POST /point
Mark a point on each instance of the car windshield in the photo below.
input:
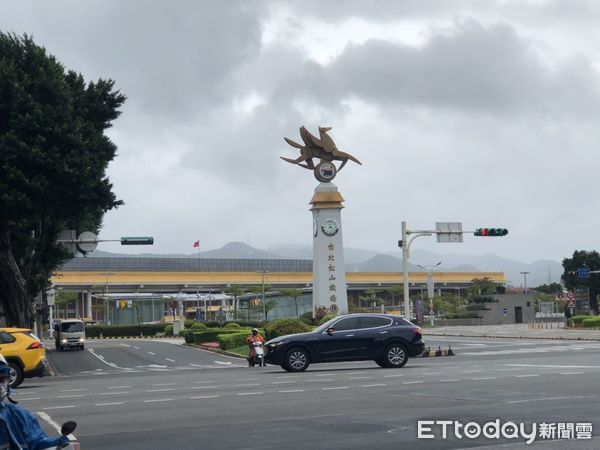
(326, 325)
(71, 327)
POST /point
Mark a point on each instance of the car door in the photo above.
(342, 343)
(374, 331)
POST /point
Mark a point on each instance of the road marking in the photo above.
(101, 358)
(225, 363)
(287, 376)
(204, 387)
(324, 374)
(204, 396)
(114, 393)
(527, 376)
(32, 398)
(431, 373)
(160, 390)
(471, 371)
(118, 387)
(246, 385)
(357, 373)
(250, 393)
(334, 388)
(392, 376)
(164, 384)
(54, 425)
(291, 391)
(412, 382)
(571, 373)
(58, 407)
(109, 404)
(285, 382)
(125, 345)
(506, 370)
(359, 378)
(136, 347)
(151, 353)
(158, 400)
(483, 378)
(448, 380)
(554, 366)
(373, 385)
(246, 379)
(71, 396)
(207, 381)
(548, 399)
(169, 359)
(319, 381)
(68, 390)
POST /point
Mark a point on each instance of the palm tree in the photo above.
(294, 293)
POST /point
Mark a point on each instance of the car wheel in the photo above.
(296, 360)
(81, 347)
(396, 355)
(16, 375)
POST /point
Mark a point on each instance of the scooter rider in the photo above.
(250, 340)
(19, 429)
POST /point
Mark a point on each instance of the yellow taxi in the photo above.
(24, 353)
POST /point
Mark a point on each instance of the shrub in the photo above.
(233, 340)
(187, 323)
(327, 318)
(592, 322)
(232, 325)
(169, 330)
(280, 327)
(198, 326)
(212, 324)
(307, 318)
(320, 312)
(477, 307)
(211, 335)
(577, 320)
(189, 336)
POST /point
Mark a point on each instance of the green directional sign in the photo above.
(491, 232)
(138, 240)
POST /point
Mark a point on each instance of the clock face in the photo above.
(329, 227)
(315, 228)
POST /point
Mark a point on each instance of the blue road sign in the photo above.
(583, 272)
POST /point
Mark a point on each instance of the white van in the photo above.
(69, 333)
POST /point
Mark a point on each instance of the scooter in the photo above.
(259, 356)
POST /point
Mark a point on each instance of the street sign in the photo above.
(570, 295)
(583, 272)
(87, 242)
(504, 311)
(449, 231)
(571, 304)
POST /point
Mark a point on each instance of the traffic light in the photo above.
(143, 240)
(491, 232)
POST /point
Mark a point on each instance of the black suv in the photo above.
(388, 340)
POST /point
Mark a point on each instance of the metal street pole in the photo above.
(524, 280)
(263, 296)
(405, 271)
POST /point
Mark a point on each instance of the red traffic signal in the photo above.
(491, 232)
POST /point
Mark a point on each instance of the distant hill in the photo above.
(361, 260)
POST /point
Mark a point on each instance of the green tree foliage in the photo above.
(53, 159)
(582, 258)
(482, 286)
(292, 292)
(235, 291)
(551, 288)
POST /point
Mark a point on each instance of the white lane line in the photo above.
(471, 371)
(204, 396)
(225, 363)
(287, 376)
(359, 378)
(431, 373)
(412, 382)
(448, 380)
(554, 366)
(285, 382)
(357, 373)
(547, 399)
(159, 400)
(160, 390)
(319, 381)
(32, 398)
(125, 345)
(151, 353)
(207, 381)
(115, 393)
(101, 358)
(109, 404)
(69, 390)
(289, 391)
(529, 375)
(245, 379)
(571, 373)
(164, 384)
(506, 370)
(204, 387)
(373, 385)
(169, 359)
(118, 387)
(246, 385)
(483, 378)
(71, 396)
(58, 407)
(136, 347)
(393, 376)
(250, 393)
(336, 388)
(324, 375)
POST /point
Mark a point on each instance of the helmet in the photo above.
(254, 330)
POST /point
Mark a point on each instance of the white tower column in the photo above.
(329, 272)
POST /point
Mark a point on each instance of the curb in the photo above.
(568, 338)
(215, 350)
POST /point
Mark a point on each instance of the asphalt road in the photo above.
(145, 394)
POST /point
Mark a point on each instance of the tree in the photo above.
(294, 293)
(53, 160)
(395, 291)
(582, 258)
(63, 299)
(235, 291)
(551, 288)
(482, 286)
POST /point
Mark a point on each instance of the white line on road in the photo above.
(204, 396)
(68, 390)
(359, 378)
(204, 387)
(246, 379)
(291, 391)
(448, 380)
(323, 375)
(548, 399)
(412, 382)
(250, 393)
(246, 385)
(207, 381)
(54, 425)
(160, 390)
(529, 375)
(287, 376)
(319, 381)
(506, 370)
(159, 400)
(32, 398)
(225, 363)
(58, 407)
(136, 347)
(125, 345)
(373, 385)
(393, 376)
(114, 393)
(431, 373)
(553, 366)
(483, 378)
(164, 384)
(285, 382)
(151, 353)
(571, 373)
(334, 388)
(471, 371)
(357, 373)
(118, 387)
(109, 404)
(71, 396)
(169, 359)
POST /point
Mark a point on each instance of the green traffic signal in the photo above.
(143, 240)
(491, 232)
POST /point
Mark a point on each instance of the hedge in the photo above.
(281, 327)
(593, 322)
(577, 320)
(94, 331)
(233, 340)
(211, 335)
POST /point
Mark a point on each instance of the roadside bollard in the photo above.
(101, 337)
(438, 352)
(450, 352)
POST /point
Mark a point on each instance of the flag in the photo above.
(196, 244)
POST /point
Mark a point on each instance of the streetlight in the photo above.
(524, 280)
(430, 291)
(262, 272)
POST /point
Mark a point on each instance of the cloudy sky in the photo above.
(484, 113)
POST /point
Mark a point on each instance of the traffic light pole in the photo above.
(405, 255)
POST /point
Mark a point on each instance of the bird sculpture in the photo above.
(323, 148)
